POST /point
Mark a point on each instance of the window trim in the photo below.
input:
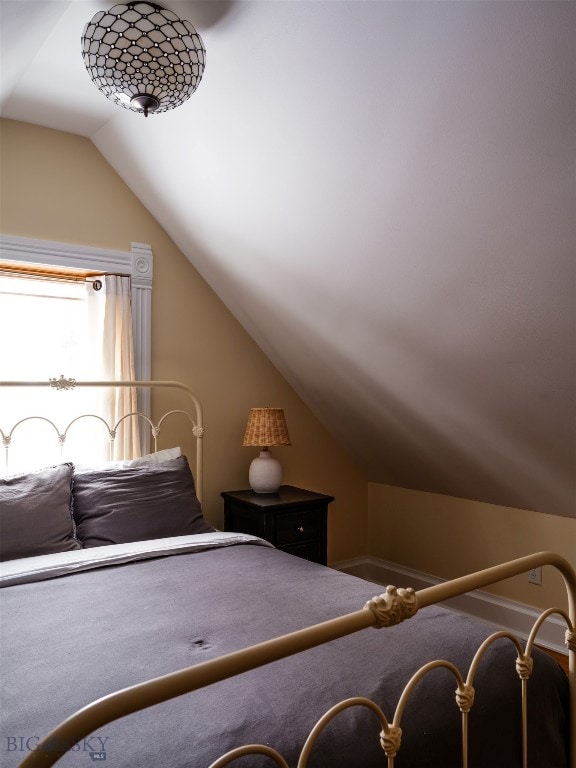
(137, 263)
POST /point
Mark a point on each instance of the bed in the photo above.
(135, 633)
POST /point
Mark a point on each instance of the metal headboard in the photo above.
(193, 415)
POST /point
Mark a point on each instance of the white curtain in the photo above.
(110, 315)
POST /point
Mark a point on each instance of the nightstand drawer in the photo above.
(301, 526)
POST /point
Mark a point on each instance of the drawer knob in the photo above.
(300, 529)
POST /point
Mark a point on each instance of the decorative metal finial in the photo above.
(62, 383)
(393, 606)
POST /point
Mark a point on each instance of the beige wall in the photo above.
(446, 537)
(57, 186)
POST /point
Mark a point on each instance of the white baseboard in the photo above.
(502, 613)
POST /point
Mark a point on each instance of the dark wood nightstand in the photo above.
(292, 519)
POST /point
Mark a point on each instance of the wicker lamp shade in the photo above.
(266, 426)
(143, 57)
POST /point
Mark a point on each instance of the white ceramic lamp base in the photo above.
(265, 475)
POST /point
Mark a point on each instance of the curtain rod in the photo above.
(64, 277)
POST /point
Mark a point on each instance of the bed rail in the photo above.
(62, 384)
(387, 609)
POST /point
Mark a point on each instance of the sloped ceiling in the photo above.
(384, 195)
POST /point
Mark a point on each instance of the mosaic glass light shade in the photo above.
(143, 57)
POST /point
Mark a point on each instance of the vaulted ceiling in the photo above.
(384, 195)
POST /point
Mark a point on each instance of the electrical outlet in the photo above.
(535, 576)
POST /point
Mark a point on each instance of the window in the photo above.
(45, 328)
(49, 330)
(137, 263)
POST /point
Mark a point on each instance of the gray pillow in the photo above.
(35, 517)
(119, 505)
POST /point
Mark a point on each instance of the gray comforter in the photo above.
(70, 639)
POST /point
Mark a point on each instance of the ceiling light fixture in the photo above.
(143, 57)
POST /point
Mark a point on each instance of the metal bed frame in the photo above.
(387, 609)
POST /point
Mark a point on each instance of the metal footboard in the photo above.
(390, 608)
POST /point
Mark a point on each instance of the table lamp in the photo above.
(266, 427)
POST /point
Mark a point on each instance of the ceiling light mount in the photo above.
(145, 103)
(143, 57)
